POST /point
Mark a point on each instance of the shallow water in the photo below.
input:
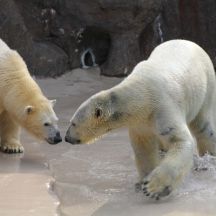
(23, 183)
(99, 180)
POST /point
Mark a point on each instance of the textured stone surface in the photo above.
(110, 29)
(42, 58)
(13, 29)
(191, 19)
(49, 60)
(112, 34)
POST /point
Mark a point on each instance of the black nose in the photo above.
(57, 138)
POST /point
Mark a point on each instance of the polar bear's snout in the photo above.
(57, 138)
(54, 139)
(70, 139)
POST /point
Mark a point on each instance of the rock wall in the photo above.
(56, 35)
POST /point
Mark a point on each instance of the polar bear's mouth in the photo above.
(54, 140)
(72, 140)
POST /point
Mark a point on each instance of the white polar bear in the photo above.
(165, 100)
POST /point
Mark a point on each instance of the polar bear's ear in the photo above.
(53, 102)
(29, 109)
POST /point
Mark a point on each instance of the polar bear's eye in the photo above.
(98, 112)
(46, 124)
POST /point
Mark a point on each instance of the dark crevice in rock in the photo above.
(98, 41)
(88, 59)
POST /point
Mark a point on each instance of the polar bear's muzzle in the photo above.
(70, 139)
(54, 140)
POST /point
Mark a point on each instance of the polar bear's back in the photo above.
(185, 62)
(3, 48)
(12, 66)
(181, 54)
(5, 52)
(10, 59)
(182, 71)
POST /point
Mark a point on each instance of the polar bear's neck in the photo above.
(20, 93)
(17, 88)
(132, 101)
(16, 105)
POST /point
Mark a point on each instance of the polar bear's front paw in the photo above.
(157, 185)
(12, 148)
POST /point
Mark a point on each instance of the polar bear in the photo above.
(167, 101)
(22, 104)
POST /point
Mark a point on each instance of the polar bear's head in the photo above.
(41, 121)
(94, 118)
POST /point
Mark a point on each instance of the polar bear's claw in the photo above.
(12, 149)
(164, 192)
(145, 182)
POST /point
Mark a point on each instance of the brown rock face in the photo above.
(193, 20)
(54, 35)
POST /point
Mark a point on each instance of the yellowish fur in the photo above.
(17, 91)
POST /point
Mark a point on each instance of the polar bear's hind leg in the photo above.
(206, 136)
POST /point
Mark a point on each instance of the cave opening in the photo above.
(88, 59)
(95, 45)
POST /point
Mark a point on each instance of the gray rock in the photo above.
(54, 36)
(49, 60)
(13, 30)
(109, 28)
(43, 59)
